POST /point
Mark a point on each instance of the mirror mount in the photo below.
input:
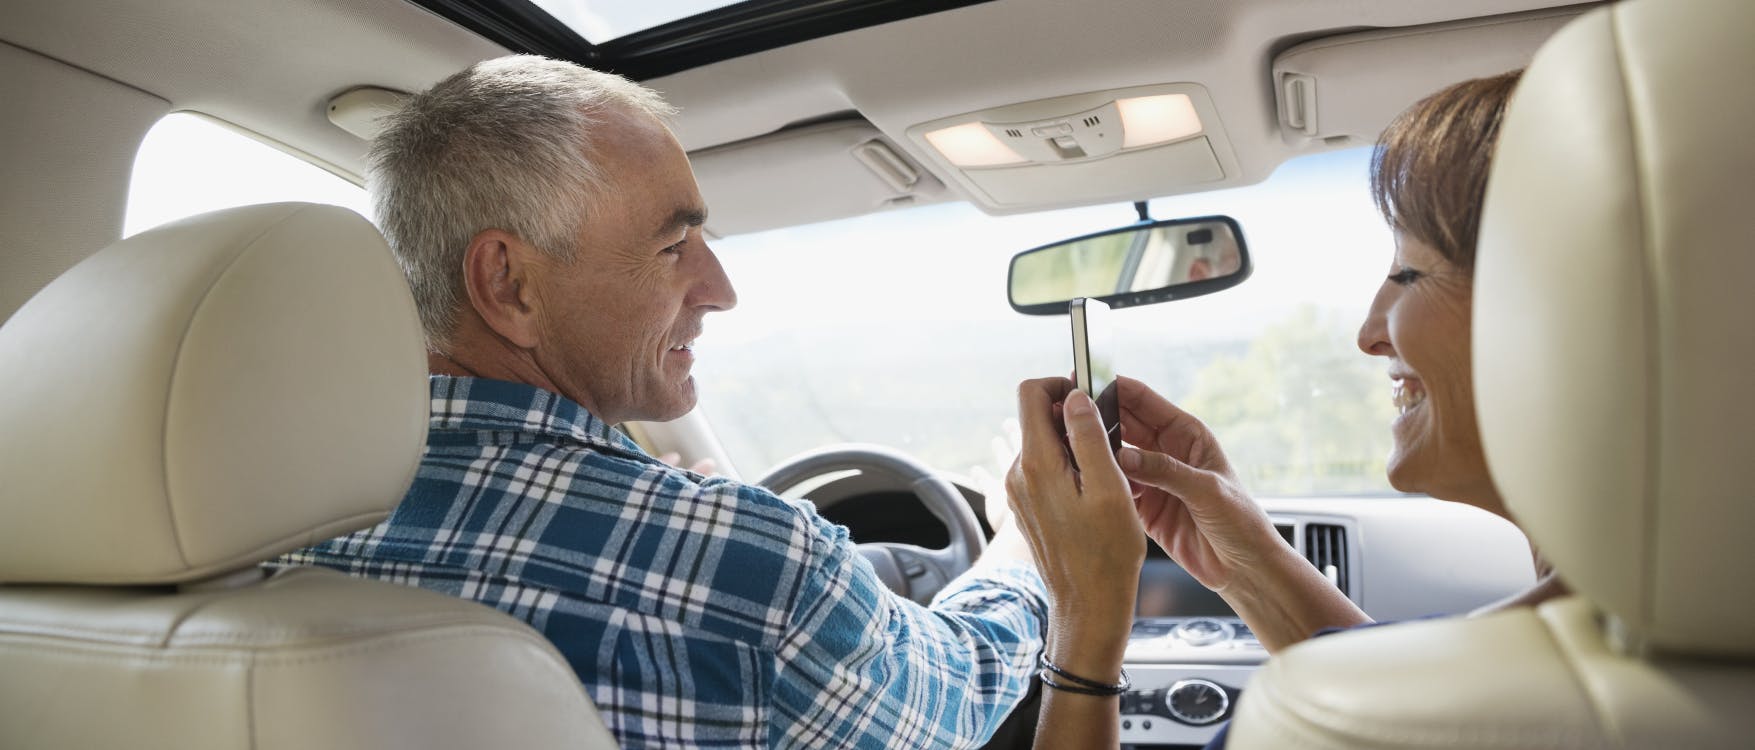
(1140, 264)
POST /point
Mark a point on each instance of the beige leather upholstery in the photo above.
(183, 405)
(1530, 678)
(1614, 337)
(196, 398)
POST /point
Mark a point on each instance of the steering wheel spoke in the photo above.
(911, 571)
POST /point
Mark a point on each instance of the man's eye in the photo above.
(1405, 276)
(673, 249)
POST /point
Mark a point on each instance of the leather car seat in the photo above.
(1614, 339)
(187, 403)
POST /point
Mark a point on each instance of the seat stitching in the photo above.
(1654, 372)
(258, 658)
(176, 362)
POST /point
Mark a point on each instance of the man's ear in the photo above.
(498, 275)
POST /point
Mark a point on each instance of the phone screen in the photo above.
(1094, 362)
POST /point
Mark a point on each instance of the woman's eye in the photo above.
(1405, 276)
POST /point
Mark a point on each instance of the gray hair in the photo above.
(502, 145)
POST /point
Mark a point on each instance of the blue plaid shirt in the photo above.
(698, 612)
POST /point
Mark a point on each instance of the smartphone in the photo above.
(1093, 341)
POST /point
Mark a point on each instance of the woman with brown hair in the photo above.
(1084, 514)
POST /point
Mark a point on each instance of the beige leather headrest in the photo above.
(1614, 332)
(207, 395)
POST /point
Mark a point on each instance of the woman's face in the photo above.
(1419, 321)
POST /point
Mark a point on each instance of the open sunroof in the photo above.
(645, 39)
(599, 21)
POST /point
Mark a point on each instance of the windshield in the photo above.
(893, 328)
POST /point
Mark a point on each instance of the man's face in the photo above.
(618, 322)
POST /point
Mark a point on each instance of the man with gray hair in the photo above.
(550, 227)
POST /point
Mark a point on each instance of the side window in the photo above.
(189, 164)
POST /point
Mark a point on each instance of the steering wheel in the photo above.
(911, 571)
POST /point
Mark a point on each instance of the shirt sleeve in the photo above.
(862, 667)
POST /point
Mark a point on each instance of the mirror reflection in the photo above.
(1134, 265)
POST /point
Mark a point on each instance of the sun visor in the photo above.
(808, 174)
(1105, 146)
(1343, 90)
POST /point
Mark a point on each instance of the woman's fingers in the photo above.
(1152, 409)
(1164, 472)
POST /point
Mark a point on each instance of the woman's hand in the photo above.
(1077, 512)
(1189, 498)
(1192, 505)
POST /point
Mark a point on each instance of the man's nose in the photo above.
(712, 288)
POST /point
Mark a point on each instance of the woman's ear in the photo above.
(499, 277)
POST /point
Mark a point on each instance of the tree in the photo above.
(1302, 411)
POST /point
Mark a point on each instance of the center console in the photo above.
(1187, 673)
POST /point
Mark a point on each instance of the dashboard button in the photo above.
(1203, 631)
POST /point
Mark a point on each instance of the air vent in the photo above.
(1014, 132)
(1093, 121)
(1326, 546)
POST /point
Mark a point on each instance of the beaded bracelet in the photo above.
(1080, 685)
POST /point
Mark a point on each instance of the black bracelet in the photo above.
(1080, 685)
(1047, 678)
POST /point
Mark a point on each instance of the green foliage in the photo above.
(1303, 411)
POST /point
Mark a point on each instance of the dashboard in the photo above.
(1189, 656)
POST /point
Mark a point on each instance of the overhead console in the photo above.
(1343, 90)
(1117, 145)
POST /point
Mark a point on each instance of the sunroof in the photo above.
(644, 39)
(602, 20)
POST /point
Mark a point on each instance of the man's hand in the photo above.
(991, 483)
(705, 467)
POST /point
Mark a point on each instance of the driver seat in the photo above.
(1614, 337)
(185, 404)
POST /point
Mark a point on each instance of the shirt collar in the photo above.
(466, 403)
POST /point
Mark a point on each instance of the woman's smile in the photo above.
(1407, 392)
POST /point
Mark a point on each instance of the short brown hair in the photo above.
(1429, 171)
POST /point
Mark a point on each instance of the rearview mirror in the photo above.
(1135, 265)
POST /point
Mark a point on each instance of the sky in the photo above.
(600, 21)
(189, 164)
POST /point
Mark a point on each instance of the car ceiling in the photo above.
(271, 66)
